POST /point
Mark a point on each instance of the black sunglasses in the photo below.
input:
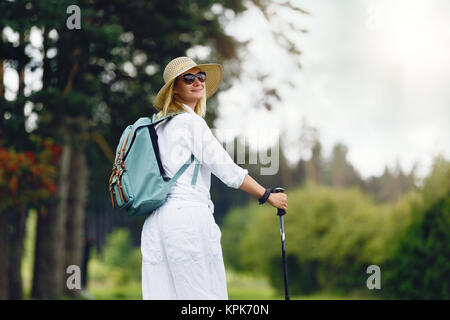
(189, 78)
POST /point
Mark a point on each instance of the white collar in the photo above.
(188, 109)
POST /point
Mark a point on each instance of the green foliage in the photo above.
(419, 268)
(121, 260)
(87, 90)
(331, 237)
(437, 184)
(233, 233)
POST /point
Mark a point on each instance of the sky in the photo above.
(375, 76)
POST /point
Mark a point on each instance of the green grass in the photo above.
(240, 287)
(248, 287)
(254, 287)
(28, 252)
(102, 291)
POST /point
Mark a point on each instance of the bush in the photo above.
(420, 266)
(331, 237)
(28, 178)
(233, 233)
(122, 260)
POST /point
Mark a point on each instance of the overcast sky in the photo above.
(375, 76)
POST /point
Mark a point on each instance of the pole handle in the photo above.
(280, 212)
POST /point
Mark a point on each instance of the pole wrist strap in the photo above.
(265, 196)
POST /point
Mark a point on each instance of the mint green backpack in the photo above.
(137, 184)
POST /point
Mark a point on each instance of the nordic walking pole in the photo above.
(281, 213)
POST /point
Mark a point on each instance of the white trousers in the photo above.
(181, 254)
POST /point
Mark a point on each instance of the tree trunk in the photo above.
(16, 224)
(48, 276)
(3, 255)
(21, 79)
(2, 83)
(46, 70)
(76, 212)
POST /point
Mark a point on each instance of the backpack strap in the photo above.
(167, 118)
(183, 169)
(194, 176)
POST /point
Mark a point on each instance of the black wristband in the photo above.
(265, 196)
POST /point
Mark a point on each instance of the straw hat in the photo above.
(181, 64)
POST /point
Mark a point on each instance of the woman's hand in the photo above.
(278, 200)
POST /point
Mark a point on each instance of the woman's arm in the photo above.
(249, 185)
(207, 149)
(200, 141)
(252, 187)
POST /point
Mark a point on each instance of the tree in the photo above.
(26, 180)
(420, 267)
(342, 173)
(95, 81)
(88, 79)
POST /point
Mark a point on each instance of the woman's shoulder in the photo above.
(189, 119)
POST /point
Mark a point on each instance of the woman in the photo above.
(180, 244)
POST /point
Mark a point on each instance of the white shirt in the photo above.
(189, 133)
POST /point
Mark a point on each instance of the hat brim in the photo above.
(213, 79)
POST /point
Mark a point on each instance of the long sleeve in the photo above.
(210, 152)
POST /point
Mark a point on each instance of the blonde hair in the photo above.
(171, 104)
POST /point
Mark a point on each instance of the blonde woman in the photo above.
(180, 242)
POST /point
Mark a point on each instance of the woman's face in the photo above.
(189, 93)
